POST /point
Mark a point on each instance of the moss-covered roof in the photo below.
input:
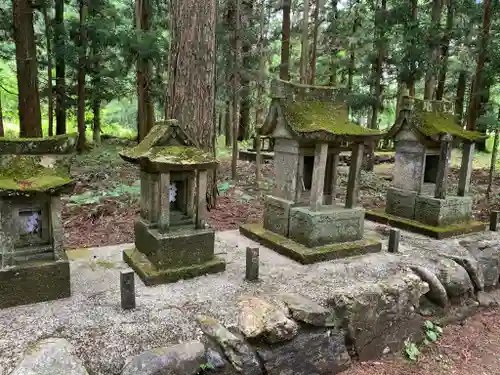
(317, 116)
(58, 144)
(179, 155)
(26, 173)
(435, 123)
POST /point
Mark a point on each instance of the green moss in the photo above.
(180, 155)
(105, 264)
(154, 136)
(40, 139)
(314, 116)
(435, 123)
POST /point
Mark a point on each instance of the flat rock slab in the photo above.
(94, 323)
(50, 357)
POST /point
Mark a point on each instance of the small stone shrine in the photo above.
(302, 219)
(424, 132)
(34, 172)
(172, 241)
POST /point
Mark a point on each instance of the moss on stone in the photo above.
(330, 117)
(58, 144)
(180, 155)
(435, 123)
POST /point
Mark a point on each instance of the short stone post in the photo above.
(443, 166)
(494, 220)
(394, 236)
(127, 289)
(252, 264)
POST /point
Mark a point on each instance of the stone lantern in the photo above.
(172, 240)
(310, 127)
(418, 199)
(33, 175)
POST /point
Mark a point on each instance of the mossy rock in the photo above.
(32, 173)
(59, 144)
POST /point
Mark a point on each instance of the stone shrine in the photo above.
(34, 172)
(424, 132)
(310, 127)
(172, 241)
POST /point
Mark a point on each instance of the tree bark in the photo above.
(314, 46)
(236, 87)
(60, 44)
(82, 70)
(333, 24)
(145, 104)
(96, 121)
(494, 155)
(460, 95)
(191, 94)
(227, 124)
(477, 85)
(304, 51)
(434, 38)
(2, 133)
(285, 42)
(414, 15)
(27, 69)
(245, 107)
(50, 99)
(445, 48)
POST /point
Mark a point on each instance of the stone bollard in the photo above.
(127, 289)
(494, 220)
(394, 235)
(252, 264)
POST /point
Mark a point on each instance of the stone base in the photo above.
(438, 232)
(400, 203)
(151, 275)
(277, 214)
(331, 224)
(304, 254)
(33, 282)
(442, 212)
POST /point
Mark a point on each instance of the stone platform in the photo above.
(438, 232)
(304, 254)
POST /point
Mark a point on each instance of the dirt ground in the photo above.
(469, 349)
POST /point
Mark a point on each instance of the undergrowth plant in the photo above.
(432, 333)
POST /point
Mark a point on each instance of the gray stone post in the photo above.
(394, 236)
(56, 226)
(334, 174)
(191, 194)
(201, 198)
(354, 172)
(127, 289)
(443, 166)
(252, 264)
(494, 220)
(318, 177)
(164, 195)
(465, 168)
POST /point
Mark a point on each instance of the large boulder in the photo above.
(310, 353)
(304, 310)
(181, 359)
(487, 255)
(258, 318)
(52, 356)
(240, 353)
(380, 316)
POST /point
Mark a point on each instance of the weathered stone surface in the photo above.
(259, 318)
(332, 225)
(307, 311)
(276, 214)
(182, 359)
(488, 258)
(400, 202)
(380, 316)
(472, 267)
(437, 292)
(442, 212)
(239, 353)
(53, 356)
(486, 300)
(311, 353)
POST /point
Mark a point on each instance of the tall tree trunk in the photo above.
(227, 124)
(434, 39)
(145, 104)
(236, 86)
(477, 85)
(304, 51)
(59, 50)
(445, 47)
(333, 24)
(2, 133)
(96, 121)
(27, 69)
(48, 36)
(285, 41)
(414, 15)
(191, 94)
(460, 95)
(314, 46)
(352, 58)
(261, 84)
(245, 107)
(494, 155)
(82, 70)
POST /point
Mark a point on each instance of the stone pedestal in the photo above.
(277, 214)
(331, 224)
(443, 212)
(401, 202)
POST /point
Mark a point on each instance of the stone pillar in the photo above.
(190, 198)
(201, 199)
(56, 226)
(354, 172)
(444, 162)
(164, 202)
(149, 196)
(465, 168)
(333, 177)
(318, 177)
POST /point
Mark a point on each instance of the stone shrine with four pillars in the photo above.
(172, 240)
(302, 219)
(418, 198)
(34, 172)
